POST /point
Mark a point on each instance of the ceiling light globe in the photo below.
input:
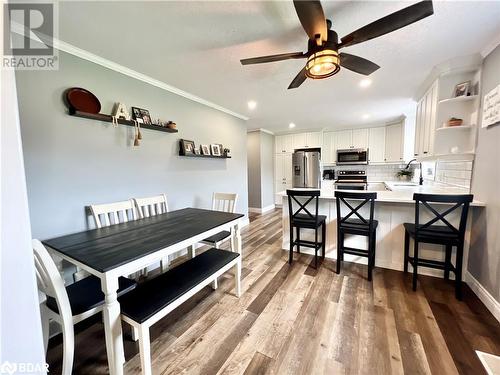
(323, 64)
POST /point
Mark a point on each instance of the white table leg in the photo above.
(237, 238)
(112, 325)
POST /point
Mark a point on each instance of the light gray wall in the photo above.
(260, 153)
(72, 162)
(484, 255)
(267, 169)
(253, 165)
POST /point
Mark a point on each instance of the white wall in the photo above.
(484, 258)
(72, 162)
(260, 153)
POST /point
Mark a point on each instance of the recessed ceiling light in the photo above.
(252, 104)
(366, 116)
(291, 125)
(365, 82)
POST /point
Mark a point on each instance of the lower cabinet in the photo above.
(283, 173)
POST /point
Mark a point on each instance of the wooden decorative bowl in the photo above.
(456, 122)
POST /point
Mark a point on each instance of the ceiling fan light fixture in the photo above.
(323, 64)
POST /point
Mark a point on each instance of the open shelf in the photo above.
(204, 156)
(109, 118)
(462, 127)
(458, 99)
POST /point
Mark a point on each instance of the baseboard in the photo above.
(489, 301)
(262, 210)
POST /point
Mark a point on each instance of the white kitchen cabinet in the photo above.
(299, 140)
(283, 143)
(313, 139)
(328, 149)
(394, 142)
(425, 123)
(376, 145)
(360, 138)
(343, 139)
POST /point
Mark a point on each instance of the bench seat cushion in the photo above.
(153, 295)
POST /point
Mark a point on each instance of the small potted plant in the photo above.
(404, 174)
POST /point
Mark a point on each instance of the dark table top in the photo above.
(107, 248)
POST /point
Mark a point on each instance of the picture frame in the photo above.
(205, 149)
(462, 89)
(216, 149)
(187, 147)
(141, 115)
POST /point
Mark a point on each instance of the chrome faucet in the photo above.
(421, 179)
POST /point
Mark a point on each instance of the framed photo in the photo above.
(462, 89)
(205, 150)
(216, 150)
(187, 147)
(141, 115)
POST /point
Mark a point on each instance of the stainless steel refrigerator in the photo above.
(306, 169)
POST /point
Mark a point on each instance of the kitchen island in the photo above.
(393, 207)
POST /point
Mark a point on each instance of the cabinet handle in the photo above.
(425, 152)
(415, 154)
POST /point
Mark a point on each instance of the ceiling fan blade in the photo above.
(299, 79)
(387, 24)
(271, 58)
(312, 18)
(357, 64)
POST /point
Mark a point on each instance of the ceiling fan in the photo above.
(323, 58)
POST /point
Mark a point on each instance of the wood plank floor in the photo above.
(298, 320)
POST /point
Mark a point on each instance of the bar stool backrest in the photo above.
(308, 195)
(342, 198)
(461, 202)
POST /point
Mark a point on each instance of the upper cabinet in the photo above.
(343, 140)
(290, 142)
(434, 137)
(425, 122)
(376, 145)
(360, 138)
(394, 143)
(283, 143)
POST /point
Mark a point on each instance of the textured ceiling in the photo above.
(196, 46)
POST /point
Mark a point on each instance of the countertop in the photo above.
(396, 191)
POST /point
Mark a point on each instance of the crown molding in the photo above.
(86, 55)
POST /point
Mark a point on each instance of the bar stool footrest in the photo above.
(310, 244)
(430, 263)
(354, 251)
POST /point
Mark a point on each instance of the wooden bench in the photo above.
(155, 298)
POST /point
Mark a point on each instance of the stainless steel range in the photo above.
(351, 180)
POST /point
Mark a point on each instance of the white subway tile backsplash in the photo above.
(457, 173)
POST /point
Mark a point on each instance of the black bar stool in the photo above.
(447, 235)
(307, 220)
(357, 226)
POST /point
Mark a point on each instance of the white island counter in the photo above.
(393, 207)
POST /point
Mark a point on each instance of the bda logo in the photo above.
(8, 368)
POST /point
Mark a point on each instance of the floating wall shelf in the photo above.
(109, 118)
(204, 156)
(460, 127)
(458, 99)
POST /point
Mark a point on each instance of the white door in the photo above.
(279, 145)
(360, 138)
(313, 139)
(343, 139)
(299, 140)
(394, 143)
(376, 145)
(287, 168)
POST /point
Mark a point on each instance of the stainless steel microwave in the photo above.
(352, 156)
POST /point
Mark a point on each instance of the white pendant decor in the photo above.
(120, 111)
(491, 107)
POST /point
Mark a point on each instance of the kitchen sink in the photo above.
(377, 186)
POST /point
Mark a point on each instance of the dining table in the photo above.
(125, 248)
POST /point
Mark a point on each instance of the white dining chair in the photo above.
(152, 206)
(67, 305)
(225, 202)
(113, 213)
(107, 214)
